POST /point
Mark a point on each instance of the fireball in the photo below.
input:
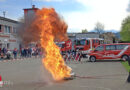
(52, 28)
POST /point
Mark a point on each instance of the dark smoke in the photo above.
(26, 32)
(29, 30)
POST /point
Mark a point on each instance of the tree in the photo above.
(125, 29)
(99, 28)
(84, 31)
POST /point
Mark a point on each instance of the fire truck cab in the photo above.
(65, 46)
(87, 44)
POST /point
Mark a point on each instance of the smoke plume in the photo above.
(29, 30)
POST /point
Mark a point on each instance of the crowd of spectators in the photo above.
(27, 52)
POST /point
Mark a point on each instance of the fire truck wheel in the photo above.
(125, 57)
(92, 58)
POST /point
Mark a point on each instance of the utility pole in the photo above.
(4, 13)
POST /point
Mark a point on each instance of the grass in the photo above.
(126, 65)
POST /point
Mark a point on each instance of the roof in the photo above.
(31, 9)
(9, 20)
(83, 33)
(89, 38)
(88, 33)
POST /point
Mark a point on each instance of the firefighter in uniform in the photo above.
(128, 79)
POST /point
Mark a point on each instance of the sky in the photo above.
(78, 14)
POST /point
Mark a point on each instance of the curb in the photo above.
(19, 59)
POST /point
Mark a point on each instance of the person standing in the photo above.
(0, 51)
(15, 53)
(25, 52)
(30, 52)
(128, 79)
(4, 50)
(22, 52)
(8, 54)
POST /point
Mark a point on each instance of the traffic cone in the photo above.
(1, 82)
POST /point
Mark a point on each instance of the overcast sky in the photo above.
(78, 14)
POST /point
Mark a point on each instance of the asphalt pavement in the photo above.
(30, 75)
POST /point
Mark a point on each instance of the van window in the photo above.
(120, 47)
(100, 48)
(110, 47)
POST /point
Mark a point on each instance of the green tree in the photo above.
(99, 28)
(125, 29)
(84, 31)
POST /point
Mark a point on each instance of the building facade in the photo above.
(29, 14)
(74, 36)
(109, 38)
(8, 33)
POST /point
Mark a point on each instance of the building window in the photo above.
(0, 45)
(14, 30)
(7, 29)
(0, 28)
(8, 45)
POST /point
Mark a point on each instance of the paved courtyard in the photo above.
(30, 75)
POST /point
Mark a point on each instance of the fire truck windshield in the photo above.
(80, 42)
(61, 45)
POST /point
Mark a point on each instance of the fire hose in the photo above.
(98, 77)
(92, 77)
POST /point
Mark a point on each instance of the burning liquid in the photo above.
(51, 26)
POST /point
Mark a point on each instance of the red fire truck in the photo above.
(87, 44)
(110, 52)
(65, 46)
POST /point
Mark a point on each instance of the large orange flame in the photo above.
(52, 27)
